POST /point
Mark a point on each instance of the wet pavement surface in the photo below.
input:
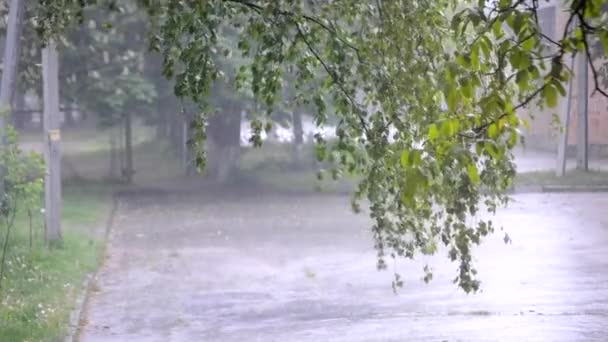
(254, 267)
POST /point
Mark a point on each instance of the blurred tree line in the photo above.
(109, 76)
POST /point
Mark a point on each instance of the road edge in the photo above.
(78, 314)
(536, 189)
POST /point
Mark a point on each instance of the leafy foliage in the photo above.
(426, 94)
(23, 185)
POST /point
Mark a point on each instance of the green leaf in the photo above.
(497, 29)
(449, 128)
(512, 139)
(467, 90)
(405, 158)
(473, 173)
(490, 147)
(479, 148)
(528, 44)
(493, 131)
(560, 88)
(416, 157)
(452, 98)
(522, 79)
(433, 132)
(604, 39)
(504, 4)
(486, 46)
(475, 57)
(515, 59)
(550, 95)
(462, 60)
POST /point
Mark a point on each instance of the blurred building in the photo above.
(544, 132)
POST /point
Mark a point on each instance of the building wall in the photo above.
(543, 133)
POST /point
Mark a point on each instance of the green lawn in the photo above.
(299, 181)
(274, 166)
(41, 285)
(574, 178)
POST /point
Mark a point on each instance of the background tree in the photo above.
(103, 65)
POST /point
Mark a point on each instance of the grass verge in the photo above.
(41, 285)
(573, 178)
(299, 181)
(274, 166)
(306, 181)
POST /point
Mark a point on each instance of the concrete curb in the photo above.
(531, 189)
(77, 316)
(574, 188)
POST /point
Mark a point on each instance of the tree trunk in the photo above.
(8, 84)
(69, 116)
(191, 167)
(113, 153)
(224, 135)
(298, 137)
(129, 171)
(184, 142)
(20, 114)
(51, 123)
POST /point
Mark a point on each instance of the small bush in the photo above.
(22, 184)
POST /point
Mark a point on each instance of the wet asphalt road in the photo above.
(287, 268)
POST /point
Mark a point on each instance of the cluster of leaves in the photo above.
(23, 182)
(426, 94)
(23, 176)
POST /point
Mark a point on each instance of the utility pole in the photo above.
(582, 134)
(560, 169)
(52, 139)
(11, 57)
(10, 62)
(184, 142)
(129, 170)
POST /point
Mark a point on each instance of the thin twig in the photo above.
(9, 225)
(597, 87)
(317, 21)
(333, 75)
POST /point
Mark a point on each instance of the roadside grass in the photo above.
(572, 178)
(300, 181)
(273, 166)
(153, 162)
(41, 285)
(86, 155)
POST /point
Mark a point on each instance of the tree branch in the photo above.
(594, 72)
(317, 21)
(334, 77)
